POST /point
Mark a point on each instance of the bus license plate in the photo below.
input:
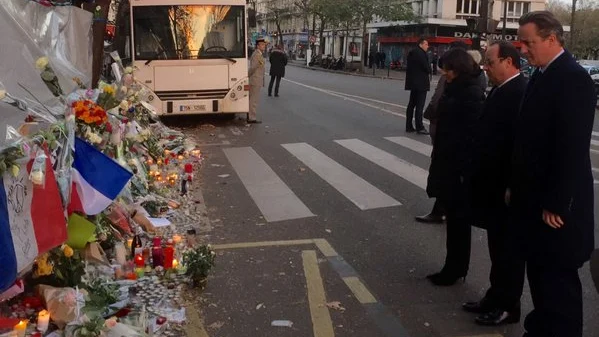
(201, 107)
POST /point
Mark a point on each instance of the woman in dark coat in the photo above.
(278, 61)
(450, 171)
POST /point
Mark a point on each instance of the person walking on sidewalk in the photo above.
(256, 74)
(278, 61)
(494, 144)
(451, 161)
(551, 181)
(418, 82)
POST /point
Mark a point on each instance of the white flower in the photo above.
(2, 94)
(124, 104)
(129, 70)
(37, 177)
(98, 8)
(42, 63)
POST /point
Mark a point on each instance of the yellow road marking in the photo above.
(325, 248)
(263, 244)
(321, 318)
(359, 289)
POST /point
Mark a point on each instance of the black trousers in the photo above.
(416, 105)
(557, 297)
(458, 240)
(507, 267)
(272, 80)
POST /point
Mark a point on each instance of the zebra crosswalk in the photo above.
(278, 202)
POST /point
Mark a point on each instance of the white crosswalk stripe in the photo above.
(357, 190)
(412, 144)
(277, 202)
(412, 173)
(273, 197)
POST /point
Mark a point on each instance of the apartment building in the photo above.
(444, 21)
(293, 22)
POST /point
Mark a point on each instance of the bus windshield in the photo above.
(188, 32)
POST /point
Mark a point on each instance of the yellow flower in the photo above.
(14, 169)
(109, 90)
(43, 267)
(2, 94)
(68, 251)
(42, 63)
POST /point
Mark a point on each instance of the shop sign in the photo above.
(495, 37)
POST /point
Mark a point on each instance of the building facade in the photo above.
(292, 21)
(444, 21)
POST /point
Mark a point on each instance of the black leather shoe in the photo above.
(480, 307)
(430, 218)
(498, 317)
(410, 130)
(276, 95)
(422, 132)
(445, 279)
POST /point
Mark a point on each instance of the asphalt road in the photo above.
(321, 167)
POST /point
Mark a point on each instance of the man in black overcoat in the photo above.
(418, 82)
(494, 145)
(278, 62)
(551, 181)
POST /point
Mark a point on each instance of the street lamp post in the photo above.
(504, 29)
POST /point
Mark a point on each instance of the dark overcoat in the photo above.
(418, 70)
(494, 142)
(278, 61)
(451, 161)
(551, 165)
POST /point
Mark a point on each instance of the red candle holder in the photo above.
(139, 261)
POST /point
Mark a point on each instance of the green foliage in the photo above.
(199, 261)
(100, 296)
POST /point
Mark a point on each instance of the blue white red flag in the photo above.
(32, 220)
(98, 179)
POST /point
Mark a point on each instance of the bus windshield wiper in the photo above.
(226, 58)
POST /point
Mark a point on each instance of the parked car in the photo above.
(592, 70)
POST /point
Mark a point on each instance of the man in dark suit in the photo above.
(418, 82)
(278, 62)
(551, 181)
(494, 144)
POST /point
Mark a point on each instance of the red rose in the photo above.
(108, 127)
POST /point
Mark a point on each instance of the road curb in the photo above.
(345, 73)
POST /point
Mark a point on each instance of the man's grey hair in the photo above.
(546, 23)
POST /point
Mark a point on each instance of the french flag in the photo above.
(97, 179)
(32, 220)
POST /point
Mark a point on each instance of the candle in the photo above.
(43, 319)
(21, 328)
(157, 257)
(177, 238)
(129, 243)
(139, 272)
(175, 263)
(139, 261)
(169, 254)
(188, 168)
(131, 276)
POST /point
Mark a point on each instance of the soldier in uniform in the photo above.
(256, 74)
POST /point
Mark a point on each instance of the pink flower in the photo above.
(111, 322)
(89, 93)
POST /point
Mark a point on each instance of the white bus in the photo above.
(191, 54)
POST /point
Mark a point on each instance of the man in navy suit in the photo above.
(551, 182)
(494, 144)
